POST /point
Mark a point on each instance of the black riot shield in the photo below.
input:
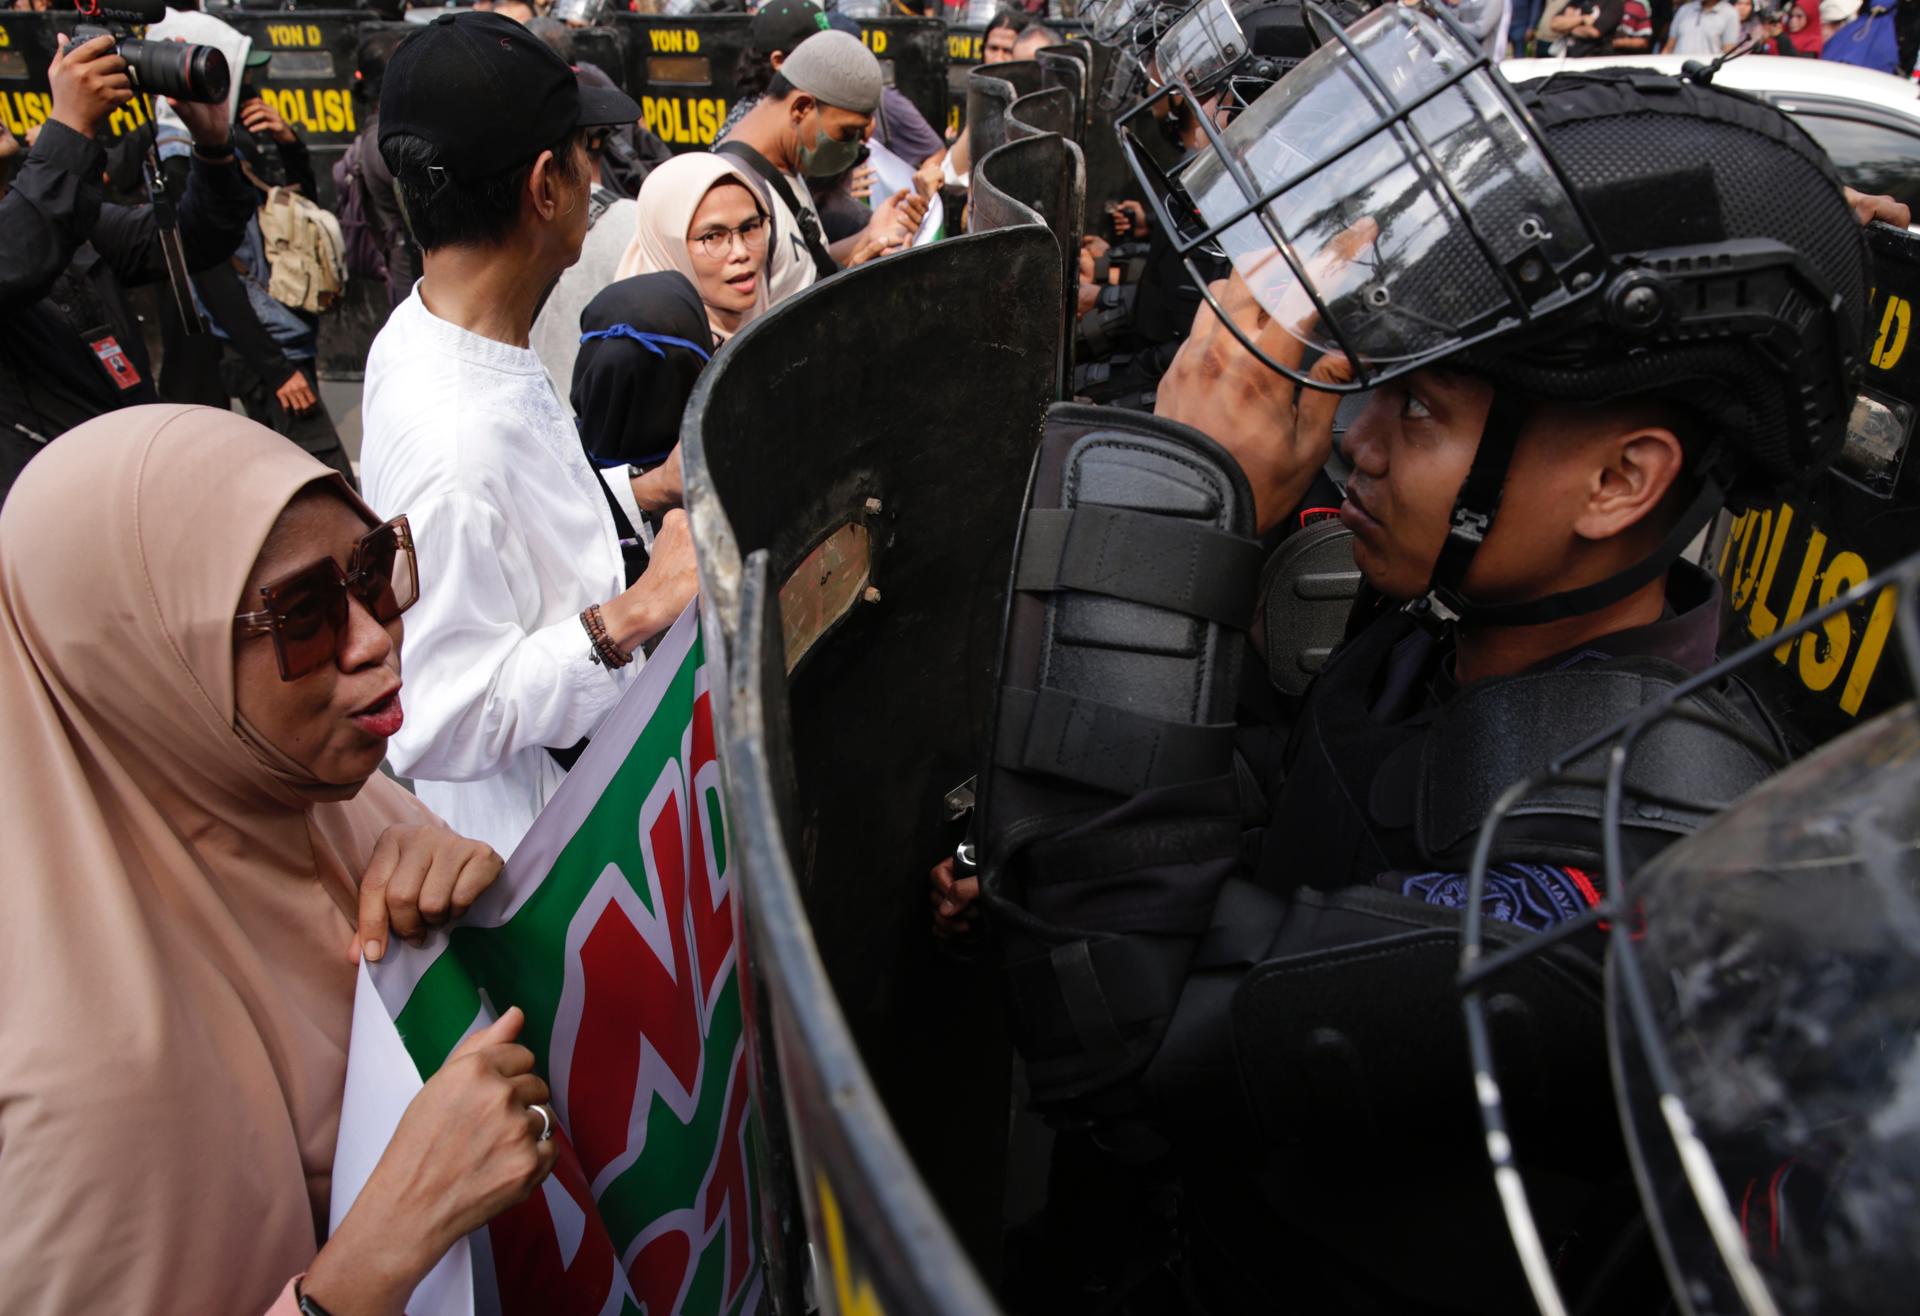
(603, 47)
(682, 71)
(1037, 179)
(26, 51)
(854, 531)
(1108, 176)
(1049, 110)
(1069, 67)
(1781, 561)
(965, 46)
(309, 78)
(913, 60)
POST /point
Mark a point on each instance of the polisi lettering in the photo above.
(326, 110)
(674, 41)
(1770, 598)
(689, 121)
(1895, 324)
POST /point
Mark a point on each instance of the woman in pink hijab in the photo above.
(199, 669)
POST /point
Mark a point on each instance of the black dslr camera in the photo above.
(157, 68)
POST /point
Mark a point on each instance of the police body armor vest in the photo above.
(1150, 978)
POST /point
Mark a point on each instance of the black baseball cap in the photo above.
(488, 94)
(784, 24)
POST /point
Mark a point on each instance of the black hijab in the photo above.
(643, 342)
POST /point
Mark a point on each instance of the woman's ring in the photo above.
(546, 1123)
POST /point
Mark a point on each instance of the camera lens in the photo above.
(173, 68)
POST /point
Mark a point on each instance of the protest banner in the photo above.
(612, 928)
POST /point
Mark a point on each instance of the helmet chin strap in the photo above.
(1445, 604)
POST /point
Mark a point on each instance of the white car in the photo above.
(1868, 122)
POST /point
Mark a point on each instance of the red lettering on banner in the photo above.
(525, 1240)
(727, 1179)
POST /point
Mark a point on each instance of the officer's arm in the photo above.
(297, 160)
(52, 208)
(213, 212)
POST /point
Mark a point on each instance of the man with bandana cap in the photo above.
(811, 123)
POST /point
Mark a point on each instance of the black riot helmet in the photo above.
(1762, 1010)
(1588, 238)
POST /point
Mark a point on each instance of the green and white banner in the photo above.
(612, 928)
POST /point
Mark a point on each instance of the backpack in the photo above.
(366, 245)
(1869, 41)
(306, 251)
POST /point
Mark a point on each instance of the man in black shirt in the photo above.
(70, 346)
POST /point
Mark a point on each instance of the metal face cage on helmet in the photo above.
(1132, 48)
(1387, 200)
(1207, 61)
(1763, 1011)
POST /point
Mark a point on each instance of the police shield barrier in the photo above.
(1037, 179)
(913, 60)
(854, 531)
(1778, 562)
(965, 47)
(1049, 110)
(1108, 177)
(991, 91)
(683, 72)
(1068, 67)
(309, 77)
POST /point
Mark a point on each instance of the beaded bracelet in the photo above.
(605, 651)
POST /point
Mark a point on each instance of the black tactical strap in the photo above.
(1105, 746)
(1591, 598)
(1477, 503)
(1183, 566)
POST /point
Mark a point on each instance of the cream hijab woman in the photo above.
(191, 839)
(703, 215)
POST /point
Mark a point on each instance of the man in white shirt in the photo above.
(1704, 27)
(521, 641)
(812, 122)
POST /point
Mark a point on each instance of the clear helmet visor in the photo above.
(1766, 1045)
(1388, 200)
(1205, 45)
(1110, 18)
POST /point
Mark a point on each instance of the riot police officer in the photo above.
(1588, 313)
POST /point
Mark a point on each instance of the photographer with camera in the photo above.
(70, 345)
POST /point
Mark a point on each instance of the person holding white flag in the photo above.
(199, 669)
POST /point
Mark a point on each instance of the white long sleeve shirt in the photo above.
(466, 436)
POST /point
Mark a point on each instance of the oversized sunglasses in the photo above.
(306, 611)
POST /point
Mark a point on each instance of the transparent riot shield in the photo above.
(854, 474)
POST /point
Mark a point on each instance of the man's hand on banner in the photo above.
(467, 1148)
(420, 877)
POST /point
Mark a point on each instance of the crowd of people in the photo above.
(203, 614)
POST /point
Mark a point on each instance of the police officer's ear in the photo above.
(1633, 479)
